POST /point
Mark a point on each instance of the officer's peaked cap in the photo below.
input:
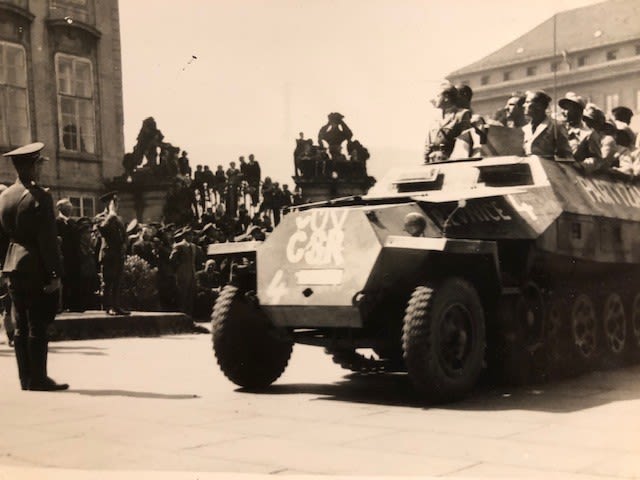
(30, 151)
(107, 197)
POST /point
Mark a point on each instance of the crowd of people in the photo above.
(580, 130)
(226, 191)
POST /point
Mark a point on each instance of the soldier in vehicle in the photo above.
(543, 136)
(622, 118)
(596, 152)
(514, 109)
(627, 159)
(512, 114)
(455, 120)
(571, 108)
(465, 94)
(469, 143)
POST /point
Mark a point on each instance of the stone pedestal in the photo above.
(142, 200)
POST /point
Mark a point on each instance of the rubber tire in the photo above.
(420, 337)
(251, 352)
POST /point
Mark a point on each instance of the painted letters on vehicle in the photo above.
(319, 238)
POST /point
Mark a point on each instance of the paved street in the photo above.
(161, 404)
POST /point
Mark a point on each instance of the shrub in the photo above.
(139, 285)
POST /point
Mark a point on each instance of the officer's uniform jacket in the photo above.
(548, 139)
(114, 239)
(28, 238)
(442, 136)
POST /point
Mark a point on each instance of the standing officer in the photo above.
(29, 249)
(113, 251)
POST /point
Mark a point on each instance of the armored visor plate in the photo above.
(317, 257)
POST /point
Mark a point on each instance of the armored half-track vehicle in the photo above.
(512, 264)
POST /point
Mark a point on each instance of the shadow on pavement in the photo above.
(561, 396)
(82, 350)
(132, 394)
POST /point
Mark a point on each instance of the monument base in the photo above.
(144, 201)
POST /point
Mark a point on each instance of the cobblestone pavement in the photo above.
(160, 408)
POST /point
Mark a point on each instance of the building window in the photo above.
(76, 104)
(14, 100)
(484, 80)
(76, 9)
(612, 55)
(531, 71)
(83, 206)
(554, 66)
(582, 61)
(506, 76)
(611, 101)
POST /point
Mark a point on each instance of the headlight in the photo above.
(415, 224)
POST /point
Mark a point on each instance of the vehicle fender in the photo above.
(434, 257)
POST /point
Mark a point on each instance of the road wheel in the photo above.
(251, 352)
(633, 336)
(443, 339)
(584, 331)
(614, 326)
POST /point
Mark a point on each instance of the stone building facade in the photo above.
(593, 51)
(61, 84)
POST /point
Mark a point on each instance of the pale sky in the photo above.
(266, 70)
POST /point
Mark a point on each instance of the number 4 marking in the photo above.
(277, 287)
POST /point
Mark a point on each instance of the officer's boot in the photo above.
(22, 358)
(38, 358)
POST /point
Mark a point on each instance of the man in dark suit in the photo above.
(543, 136)
(32, 265)
(113, 250)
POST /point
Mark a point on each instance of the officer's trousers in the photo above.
(112, 273)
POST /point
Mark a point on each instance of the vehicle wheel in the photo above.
(251, 352)
(443, 339)
(614, 326)
(633, 336)
(584, 332)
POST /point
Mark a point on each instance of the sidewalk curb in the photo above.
(97, 324)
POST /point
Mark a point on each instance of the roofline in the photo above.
(470, 70)
(462, 71)
(567, 79)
